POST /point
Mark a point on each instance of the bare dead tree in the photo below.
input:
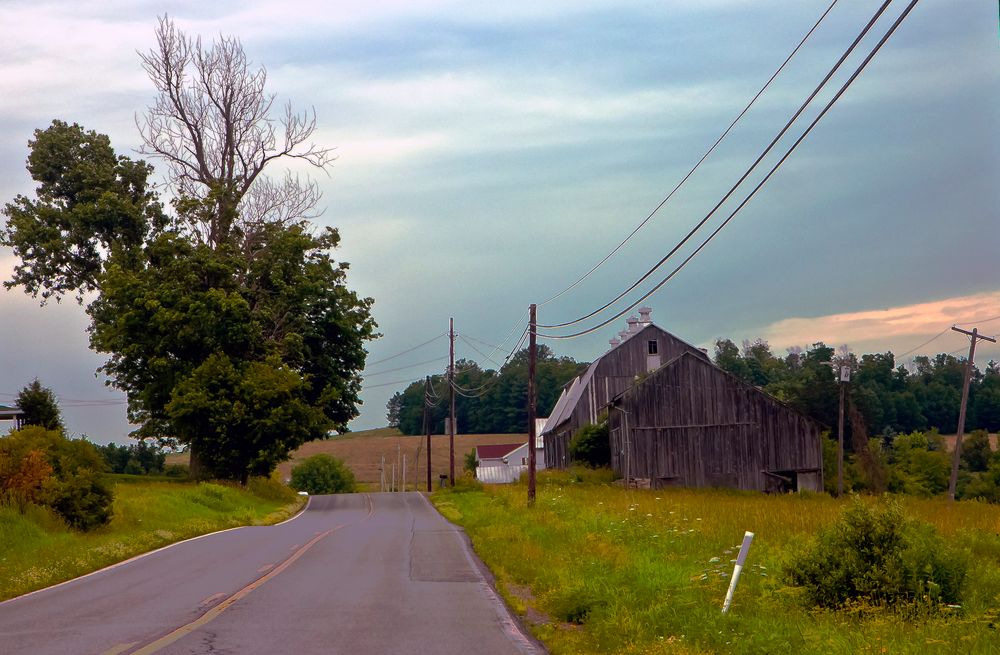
(212, 124)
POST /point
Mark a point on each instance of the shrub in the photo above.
(917, 466)
(322, 474)
(470, 462)
(976, 452)
(877, 555)
(42, 466)
(176, 471)
(82, 498)
(590, 445)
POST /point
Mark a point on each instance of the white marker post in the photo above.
(740, 559)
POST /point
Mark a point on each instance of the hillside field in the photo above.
(362, 452)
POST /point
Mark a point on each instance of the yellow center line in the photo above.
(211, 614)
(211, 599)
(214, 612)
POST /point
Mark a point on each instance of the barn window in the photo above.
(652, 347)
(524, 461)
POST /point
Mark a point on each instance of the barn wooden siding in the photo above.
(613, 373)
(692, 424)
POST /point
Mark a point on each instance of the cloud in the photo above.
(897, 328)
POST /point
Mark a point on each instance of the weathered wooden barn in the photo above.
(690, 423)
(642, 348)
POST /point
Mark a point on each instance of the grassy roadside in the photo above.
(38, 550)
(598, 569)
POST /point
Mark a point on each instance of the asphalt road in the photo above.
(359, 574)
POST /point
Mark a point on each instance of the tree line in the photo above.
(486, 401)
(883, 397)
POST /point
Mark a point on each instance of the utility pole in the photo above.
(965, 401)
(451, 395)
(427, 428)
(532, 330)
(844, 378)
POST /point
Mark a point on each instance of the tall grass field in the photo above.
(38, 550)
(595, 568)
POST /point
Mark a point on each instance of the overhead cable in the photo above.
(732, 189)
(697, 164)
(389, 384)
(471, 345)
(403, 368)
(747, 199)
(408, 350)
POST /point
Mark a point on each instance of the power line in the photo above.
(697, 164)
(408, 382)
(985, 320)
(740, 181)
(518, 323)
(747, 199)
(408, 350)
(403, 368)
(471, 345)
(934, 338)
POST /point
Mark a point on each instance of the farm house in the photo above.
(692, 424)
(504, 464)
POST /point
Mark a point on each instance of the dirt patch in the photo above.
(531, 614)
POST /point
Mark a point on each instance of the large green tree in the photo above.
(227, 323)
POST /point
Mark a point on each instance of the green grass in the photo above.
(621, 571)
(38, 550)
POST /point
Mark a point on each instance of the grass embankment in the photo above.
(38, 550)
(598, 569)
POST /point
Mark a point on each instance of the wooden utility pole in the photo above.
(843, 378)
(427, 428)
(532, 330)
(451, 395)
(965, 401)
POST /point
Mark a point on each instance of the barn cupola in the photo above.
(644, 316)
(633, 324)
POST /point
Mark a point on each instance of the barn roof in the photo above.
(574, 389)
(495, 451)
(569, 398)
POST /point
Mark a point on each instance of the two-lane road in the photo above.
(358, 574)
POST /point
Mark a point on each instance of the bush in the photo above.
(591, 446)
(82, 498)
(322, 474)
(918, 467)
(875, 554)
(471, 463)
(976, 452)
(44, 467)
(176, 471)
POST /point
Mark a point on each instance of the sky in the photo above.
(490, 154)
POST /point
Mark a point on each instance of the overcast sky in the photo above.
(492, 153)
